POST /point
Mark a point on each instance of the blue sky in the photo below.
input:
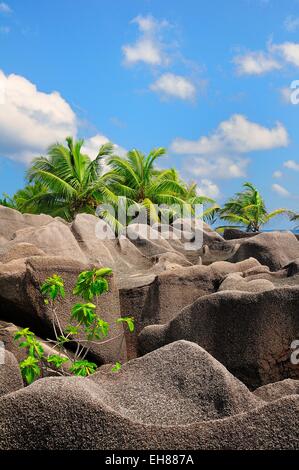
(209, 80)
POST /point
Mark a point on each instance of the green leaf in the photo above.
(92, 283)
(73, 330)
(103, 272)
(57, 360)
(84, 313)
(129, 321)
(101, 328)
(25, 333)
(83, 368)
(117, 366)
(52, 287)
(30, 369)
(39, 350)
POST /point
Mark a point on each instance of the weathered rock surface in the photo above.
(220, 251)
(12, 220)
(274, 249)
(235, 281)
(236, 298)
(107, 411)
(10, 375)
(235, 234)
(182, 383)
(250, 333)
(277, 390)
(19, 251)
(162, 298)
(54, 239)
(293, 267)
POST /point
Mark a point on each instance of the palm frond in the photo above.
(123, 168)
(54, 183)
(171, 186)
(153, 214)
(275, 213)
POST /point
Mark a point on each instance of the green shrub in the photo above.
(85, 328)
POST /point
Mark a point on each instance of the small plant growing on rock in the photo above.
(84, 329)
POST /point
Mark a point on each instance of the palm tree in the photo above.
(66, 182)
(7, 201)
(210, 209)
(70, 181)
(141, 184)
(25, 200)
(28, 199)
(247, 208)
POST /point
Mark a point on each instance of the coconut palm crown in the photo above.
(74, 183)
(142, 184)
(247, 208)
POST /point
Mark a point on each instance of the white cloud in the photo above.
(289, 52)
(218, 155)
(237, 135)
(148, 48)
(255, 63)
(217, 167)
(280, 190)
(148, 24)
(277, 174)
(4, 8)
(31, 120)
(291, 165)
(143, 51)
(291, 23)
(207, 188)
(275, 57)
(92, 145)
(170, 85)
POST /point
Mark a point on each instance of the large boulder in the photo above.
(148, 240)
(236, 234)
(54, 239)
(197, 229)
(169, 261)
(165, 294)
(10, 375)
(181, 372)
(250, 333)
(173, 398)
(12, 220)
(17, 251)
(273, 249)
(236, 281)
(220, 251)
(277, 390)
(99, 244)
